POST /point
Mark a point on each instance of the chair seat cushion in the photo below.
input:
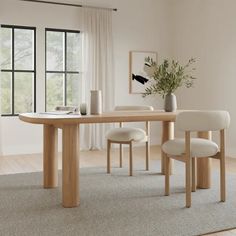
(126, 134)
(199, 147)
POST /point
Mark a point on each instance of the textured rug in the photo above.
(114, 204)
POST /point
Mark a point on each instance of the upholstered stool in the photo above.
(125, 135)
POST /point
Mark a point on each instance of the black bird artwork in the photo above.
(139, 78)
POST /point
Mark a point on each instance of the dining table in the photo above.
(70, 125)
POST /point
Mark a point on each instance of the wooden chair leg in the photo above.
(194, 186)
(188, 181)
(167, 176)
(108, 156)
(222, 166)
(130, 159)
(147, 155)
(121, 155)
(222, 178)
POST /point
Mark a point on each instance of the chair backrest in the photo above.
(202, 120)
(134, 108)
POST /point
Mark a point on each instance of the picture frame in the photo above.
(138, 79)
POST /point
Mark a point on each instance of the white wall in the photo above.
(205, 29)
(19, 137)
(138, 25)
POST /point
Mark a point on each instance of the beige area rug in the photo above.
(114, 204)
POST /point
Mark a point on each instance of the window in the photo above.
(18, 69)
(63, 59)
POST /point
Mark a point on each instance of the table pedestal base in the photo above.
(50, 156)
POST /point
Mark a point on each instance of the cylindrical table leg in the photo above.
(50, 159)
(204, 166)
(70, 166)
(167, 133)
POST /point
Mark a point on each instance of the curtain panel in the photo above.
(97, 70)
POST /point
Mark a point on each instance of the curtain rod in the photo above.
(67, 4)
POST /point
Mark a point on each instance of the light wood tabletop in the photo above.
(106, 117)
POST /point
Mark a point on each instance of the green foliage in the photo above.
(23, 60)
(169, 76)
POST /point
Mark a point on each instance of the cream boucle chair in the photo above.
(125, 135)
(187, 149)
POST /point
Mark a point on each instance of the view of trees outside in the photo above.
(6, 77)
(6, 53)
(24, 49)
(6, 92)
(63, 55)
(63, 60)
(73, 88)
(55, 90)
(23, 95)
(21, 66)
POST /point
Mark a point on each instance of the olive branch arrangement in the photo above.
(167, 77)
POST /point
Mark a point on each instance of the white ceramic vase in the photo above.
(96, 102)
(170, 104)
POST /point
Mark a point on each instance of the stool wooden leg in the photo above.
(222, 179)
(188, 181)
(121, 155)
(167, 175)
(147, 155)
(108, 156)
(194, 186)
(222, 167)
(130, 159)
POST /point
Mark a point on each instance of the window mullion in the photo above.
(45, 57)
(13, 73)
(65, 68)
(34, 66)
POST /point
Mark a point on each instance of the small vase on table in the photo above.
(170, 103)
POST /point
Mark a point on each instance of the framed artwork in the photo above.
(138, 79)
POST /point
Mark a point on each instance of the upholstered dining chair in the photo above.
(128, 135)
(188, 149)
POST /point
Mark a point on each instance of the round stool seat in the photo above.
(126, 134)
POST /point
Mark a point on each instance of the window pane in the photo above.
(6, 48)
(24, 49)
(55, 91)
(73, 89)
(55, 51)
(23, 96)
(6, 92)
(73, 52)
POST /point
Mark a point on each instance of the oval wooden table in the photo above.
(70, 125)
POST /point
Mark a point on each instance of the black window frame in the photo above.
(13, 71)
(64, 71)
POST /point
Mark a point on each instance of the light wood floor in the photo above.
(33, 163)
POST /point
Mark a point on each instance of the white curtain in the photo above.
(97, 70)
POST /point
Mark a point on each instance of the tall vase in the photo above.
(96, 102)
(170, 104)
